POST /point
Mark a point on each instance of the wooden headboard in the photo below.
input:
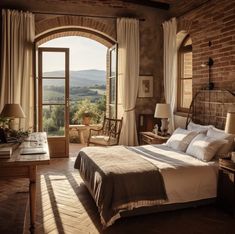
(211, 107)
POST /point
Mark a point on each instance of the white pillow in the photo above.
(204, 147)
(198, 127)
(220, 134)
(180, 139)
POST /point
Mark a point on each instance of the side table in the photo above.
(151, 138)
(226, 186)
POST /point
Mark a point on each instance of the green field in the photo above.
(55, 94)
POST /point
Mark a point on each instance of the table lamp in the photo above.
(230, 123)
(163, 111)
(12, 111)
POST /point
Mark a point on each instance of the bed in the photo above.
(126, 181)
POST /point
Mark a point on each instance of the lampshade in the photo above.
(162, 110)
(12, 111)
(230, 123)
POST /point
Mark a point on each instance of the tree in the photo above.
(101, 108)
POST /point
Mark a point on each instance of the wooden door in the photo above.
(53, 98)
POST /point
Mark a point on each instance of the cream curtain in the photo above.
(16, 82)
(170, 66)
(128, 74)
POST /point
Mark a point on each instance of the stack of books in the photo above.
(5, 152)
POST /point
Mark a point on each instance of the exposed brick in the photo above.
(103, 28)
(215, 22)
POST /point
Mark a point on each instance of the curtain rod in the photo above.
(90, 16)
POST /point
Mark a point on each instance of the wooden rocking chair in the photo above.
(107, 135)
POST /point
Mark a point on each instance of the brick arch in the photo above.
(184, 25)
(180, 36)
(52, 28)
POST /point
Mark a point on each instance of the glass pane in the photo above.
(112, 111)
(53, 120)
(113, 62)
(186, 93)
(112, 90)
(53, 91)
(53, 64)
(187, 69)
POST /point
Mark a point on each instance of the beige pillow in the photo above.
(198, 127)
(220, 134)
(180, 139)
(204, 147)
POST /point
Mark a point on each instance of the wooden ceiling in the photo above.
(174, 7)
(177, 7)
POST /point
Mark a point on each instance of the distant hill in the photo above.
(82, 78)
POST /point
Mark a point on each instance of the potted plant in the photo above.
(86, 112)
(86, 117)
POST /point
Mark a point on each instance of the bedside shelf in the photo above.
(227, 163)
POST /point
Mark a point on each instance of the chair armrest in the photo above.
(95, 130)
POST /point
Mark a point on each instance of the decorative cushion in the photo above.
(180, 139)
(103, 140)
(198, 127)
(220, 134)
(204, 147)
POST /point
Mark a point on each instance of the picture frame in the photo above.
(145, 86)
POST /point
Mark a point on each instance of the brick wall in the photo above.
(214, 22)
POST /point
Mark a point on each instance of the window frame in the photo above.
(183, 49)
(114, 78)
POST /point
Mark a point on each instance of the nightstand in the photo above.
(226, 185)
(151, 138)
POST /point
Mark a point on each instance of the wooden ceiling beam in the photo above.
(149, 3)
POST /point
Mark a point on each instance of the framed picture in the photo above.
(145, 86)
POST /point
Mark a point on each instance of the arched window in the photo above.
(185, 75)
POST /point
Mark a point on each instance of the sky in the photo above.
(84, 54)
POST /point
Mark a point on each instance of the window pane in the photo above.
(113, 62)
(53, 64)
(112, 90)
(53, 120)
(186, 93)
(112, 111)
(187, 69)
(53, 91)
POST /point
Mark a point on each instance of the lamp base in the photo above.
(164, 127)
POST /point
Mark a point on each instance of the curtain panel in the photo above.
(170, 66)
(16, 84)
(128, 76)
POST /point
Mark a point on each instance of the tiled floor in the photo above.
(65, 206)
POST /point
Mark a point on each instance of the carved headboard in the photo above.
(211, 107)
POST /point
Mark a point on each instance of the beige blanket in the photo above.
(119, 179)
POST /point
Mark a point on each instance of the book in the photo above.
(5, 152)
(30, 150)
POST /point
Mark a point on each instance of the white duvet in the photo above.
(186, 178)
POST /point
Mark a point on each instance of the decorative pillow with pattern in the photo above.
(180, 139)
(204, 147)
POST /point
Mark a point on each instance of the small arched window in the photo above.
(185, 73)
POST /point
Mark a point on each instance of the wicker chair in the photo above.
(107, 135)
